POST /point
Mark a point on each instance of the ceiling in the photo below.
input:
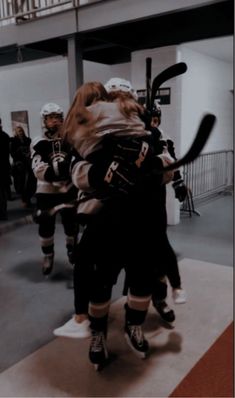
(114, 44)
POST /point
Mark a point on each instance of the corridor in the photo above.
(36, 364)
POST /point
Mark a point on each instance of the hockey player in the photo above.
(168, 261)
(51, 156)
(119, 149)
(103, 129)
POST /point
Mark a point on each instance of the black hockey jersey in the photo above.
(46, 153)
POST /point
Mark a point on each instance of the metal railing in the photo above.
(209, 174)
(18, 11)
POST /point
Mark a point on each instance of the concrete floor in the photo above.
(208, 237)
(31, 307)
(61, 367)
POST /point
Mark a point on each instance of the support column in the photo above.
(75, 65)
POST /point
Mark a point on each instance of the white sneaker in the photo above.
(74, 329)
(179, 296)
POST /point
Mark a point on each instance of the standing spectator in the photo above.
(21, 7)
(5, 174)
(24, 179)
(51, 156)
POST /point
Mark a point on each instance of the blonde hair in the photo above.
(19, 129)
(78, 115)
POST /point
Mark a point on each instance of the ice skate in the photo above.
(70, 283)
(98, 353)
(70, 255)
(48, 262)
(166, 313)
(136, 340)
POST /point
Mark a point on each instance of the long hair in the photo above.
(19, 132)
(126, 102)
(78, 116)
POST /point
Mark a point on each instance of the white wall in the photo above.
(206, 88)
(161, 59)
(171, 114)
(27, 86)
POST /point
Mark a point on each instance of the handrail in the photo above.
(210, 173)
(18, 11)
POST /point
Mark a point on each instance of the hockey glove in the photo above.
(180, 190)
(131, 151)
(116, 177)
(59, 171)
(121, 176)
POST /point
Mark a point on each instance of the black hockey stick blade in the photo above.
(203, 133)
(166, 74)
(148, 81)
(42, 214)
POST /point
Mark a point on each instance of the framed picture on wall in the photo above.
(20, 118)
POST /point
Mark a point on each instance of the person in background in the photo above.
(51, 157)
(169, 265)
(21, 6)
(24, 179)
(5, 172)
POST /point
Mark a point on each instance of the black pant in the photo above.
(3, 200)
(166, 264)
(47, 225)
(119, 236)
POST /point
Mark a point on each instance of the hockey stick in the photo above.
(169, 73)
(203, 133)
(148, 81)
(51, 212)
(40, 214)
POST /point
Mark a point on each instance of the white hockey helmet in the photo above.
(157, 111)
(119, 84)
(49, 108)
